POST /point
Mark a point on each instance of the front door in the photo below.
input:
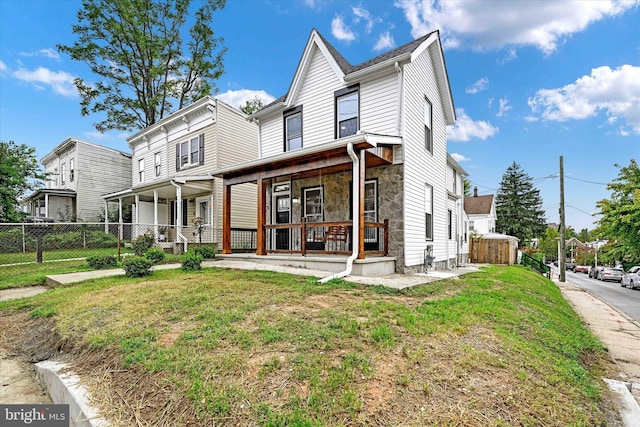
(283, 216)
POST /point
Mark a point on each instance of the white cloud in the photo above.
(340, 30)
(384, 42)
(459, 157)
(237, 98)
(616, 92)
(48, 53)
(93, 136)
(362, 13)
(60, 82)
(3, 67)
(478, 86)
(466, 128)
(486, 24)
(504, 107)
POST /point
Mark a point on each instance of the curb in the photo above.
(626, 403)
(65, 388)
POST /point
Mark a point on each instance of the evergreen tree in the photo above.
(19, 174)
(519, 206)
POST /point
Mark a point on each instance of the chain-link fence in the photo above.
(46, 241)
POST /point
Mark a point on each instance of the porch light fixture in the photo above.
(295, 200)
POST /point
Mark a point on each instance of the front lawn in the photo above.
(221, 346)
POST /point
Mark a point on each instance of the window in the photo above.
(63, 172)
(471, 226)
(293, 129)
(347, 109)
(72, 171)
(202, 209)
(313, 204)
(141, 170)
(428, 129)
(450, 224)
(55, 180)
(174, 212)
(190, 153)
(455, 182)
(428, 211)
(465, 231)
(158, 163)
(371, 210)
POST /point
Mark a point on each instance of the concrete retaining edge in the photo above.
(65, 388)
(625, 402)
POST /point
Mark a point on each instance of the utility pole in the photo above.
(563, 250)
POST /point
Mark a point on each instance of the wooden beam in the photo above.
(226, 218)
(361, 179)
(261, 218)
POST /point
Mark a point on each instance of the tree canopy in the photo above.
(621, 213)
(252, 106)
(19, 174)
(144, 69)
(519, 206)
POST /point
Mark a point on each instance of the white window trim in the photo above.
(428, 199)
(199, 200)
(374, 231)
(190, 153)
(157, 159)
(141, 170)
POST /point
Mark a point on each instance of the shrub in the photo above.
(136, 266)
(142, 244)
(192, 260)
(206, 251)
(156, 255)
(100, 262)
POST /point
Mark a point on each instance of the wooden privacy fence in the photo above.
(494, 251)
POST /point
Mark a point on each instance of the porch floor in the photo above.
(368, 267)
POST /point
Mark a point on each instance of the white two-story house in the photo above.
(79, 173)
(353, 162)
(481, 211)
(171, 184)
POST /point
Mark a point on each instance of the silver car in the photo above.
(632, 278)
(611, 274)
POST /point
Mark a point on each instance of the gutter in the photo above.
(179, 210)
(356, 217)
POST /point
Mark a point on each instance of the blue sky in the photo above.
(531, 80)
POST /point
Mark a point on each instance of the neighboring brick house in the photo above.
(481, 211)
(170, 180)
(79, 172)
(353, 161)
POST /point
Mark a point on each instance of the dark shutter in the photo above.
(184, 212)
(178, 157)
(201, 151)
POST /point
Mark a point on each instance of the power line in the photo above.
(587, 181)
(590, 214)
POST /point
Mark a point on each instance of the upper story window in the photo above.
(63, 172)
(428, 126)
(293, 129)
(141, 170)
(190, 153)
(347, 111)
(157, 160)
(72, 170)
(455, 182)
(55, 179)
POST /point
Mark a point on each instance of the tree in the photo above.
(519, 206)
(467, 187)
(549, 243)
(621, 214)
(252, 106)
(19, 173)
(135, 48)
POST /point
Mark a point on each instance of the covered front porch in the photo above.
(322, 204)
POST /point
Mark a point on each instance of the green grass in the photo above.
(498, 347)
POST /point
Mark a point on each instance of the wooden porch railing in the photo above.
(334, 237)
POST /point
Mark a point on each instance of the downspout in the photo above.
(179, 210)
(356, 217)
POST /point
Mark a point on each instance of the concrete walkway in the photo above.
(619, 333)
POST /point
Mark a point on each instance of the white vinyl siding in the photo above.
(421, 167)
(379, 105)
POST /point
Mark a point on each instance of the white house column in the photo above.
(106, 216)
(213, 230)
(46, 206)
(179, 210)
(137, 214)
(120, 230)
(155, 213)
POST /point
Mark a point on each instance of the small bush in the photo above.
(192, 260)
(206, 252)
(100, 262)
(136, 266)
(142, 244)
(156, 255)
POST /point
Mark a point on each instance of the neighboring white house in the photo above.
(386, 120)
(457, 221)
(171, 184)
(481, 211)
(79, 172)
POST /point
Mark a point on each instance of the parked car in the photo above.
(593, 272)
(569, 265)
(611, 274)
(581, 269)
(632, 278)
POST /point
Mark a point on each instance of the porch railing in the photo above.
(335, 237)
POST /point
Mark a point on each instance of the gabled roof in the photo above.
(345, 70)
(478, 205)
(69, 142)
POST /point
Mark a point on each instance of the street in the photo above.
(623, 299)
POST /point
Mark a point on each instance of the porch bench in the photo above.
(337, 233)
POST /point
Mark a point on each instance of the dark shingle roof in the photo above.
(347, 68)
(479, 205)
